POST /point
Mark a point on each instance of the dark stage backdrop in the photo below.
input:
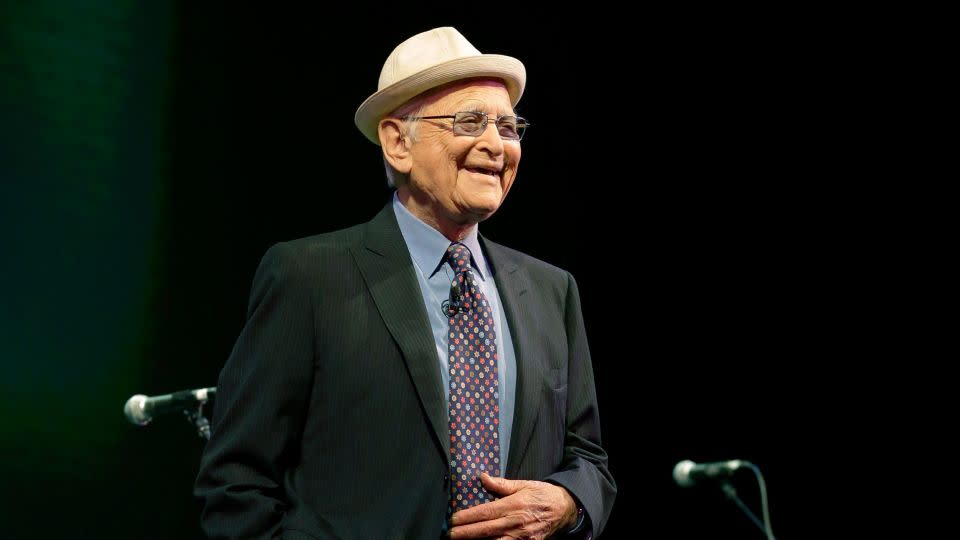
(151, 152)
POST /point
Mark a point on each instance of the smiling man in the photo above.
(408, 378)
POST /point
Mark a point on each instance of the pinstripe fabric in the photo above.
(330, 420)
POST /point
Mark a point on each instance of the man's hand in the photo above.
(527, 509)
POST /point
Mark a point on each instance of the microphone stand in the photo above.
(199, 420)
(731, 494)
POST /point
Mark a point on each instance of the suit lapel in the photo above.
(385, 263)
(513, 283)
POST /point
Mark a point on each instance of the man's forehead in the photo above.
(483, 105)
(480, 97)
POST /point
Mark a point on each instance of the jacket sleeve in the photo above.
(584, 471)
(258, 416)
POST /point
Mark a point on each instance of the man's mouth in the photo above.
(480, 170)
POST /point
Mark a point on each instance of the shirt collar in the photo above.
(427, 246)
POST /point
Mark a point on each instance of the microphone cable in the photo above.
(731, 494)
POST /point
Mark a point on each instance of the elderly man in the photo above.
(408, 378)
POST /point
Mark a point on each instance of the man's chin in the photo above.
(481, 211)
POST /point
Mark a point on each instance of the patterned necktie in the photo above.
(474, 405)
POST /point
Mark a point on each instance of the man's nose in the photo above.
(490, 138)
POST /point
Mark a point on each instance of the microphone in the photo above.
(454, 304)
(687, 473)
(141, 409)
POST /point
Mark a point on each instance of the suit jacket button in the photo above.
(446, 477)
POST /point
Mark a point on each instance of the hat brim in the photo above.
(497, 66)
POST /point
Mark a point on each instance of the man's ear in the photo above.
(394, 145)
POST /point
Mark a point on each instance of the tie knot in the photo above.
(458, 257)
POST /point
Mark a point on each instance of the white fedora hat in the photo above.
(428, 60)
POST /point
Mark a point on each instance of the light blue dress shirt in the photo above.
(427, 248)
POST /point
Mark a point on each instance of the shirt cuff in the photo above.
(580, 525)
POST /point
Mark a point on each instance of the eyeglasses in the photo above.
(473, 124)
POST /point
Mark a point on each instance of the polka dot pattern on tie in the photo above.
(474, 404)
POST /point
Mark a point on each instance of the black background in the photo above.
(677, 165)
(668, 168)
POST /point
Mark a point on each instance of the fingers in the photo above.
(527, 509)
(501, 486)
(486, 529)
(494, 509)
(481, 512)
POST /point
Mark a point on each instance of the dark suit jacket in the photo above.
(330, 420)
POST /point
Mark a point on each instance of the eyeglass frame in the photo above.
(486, 121)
